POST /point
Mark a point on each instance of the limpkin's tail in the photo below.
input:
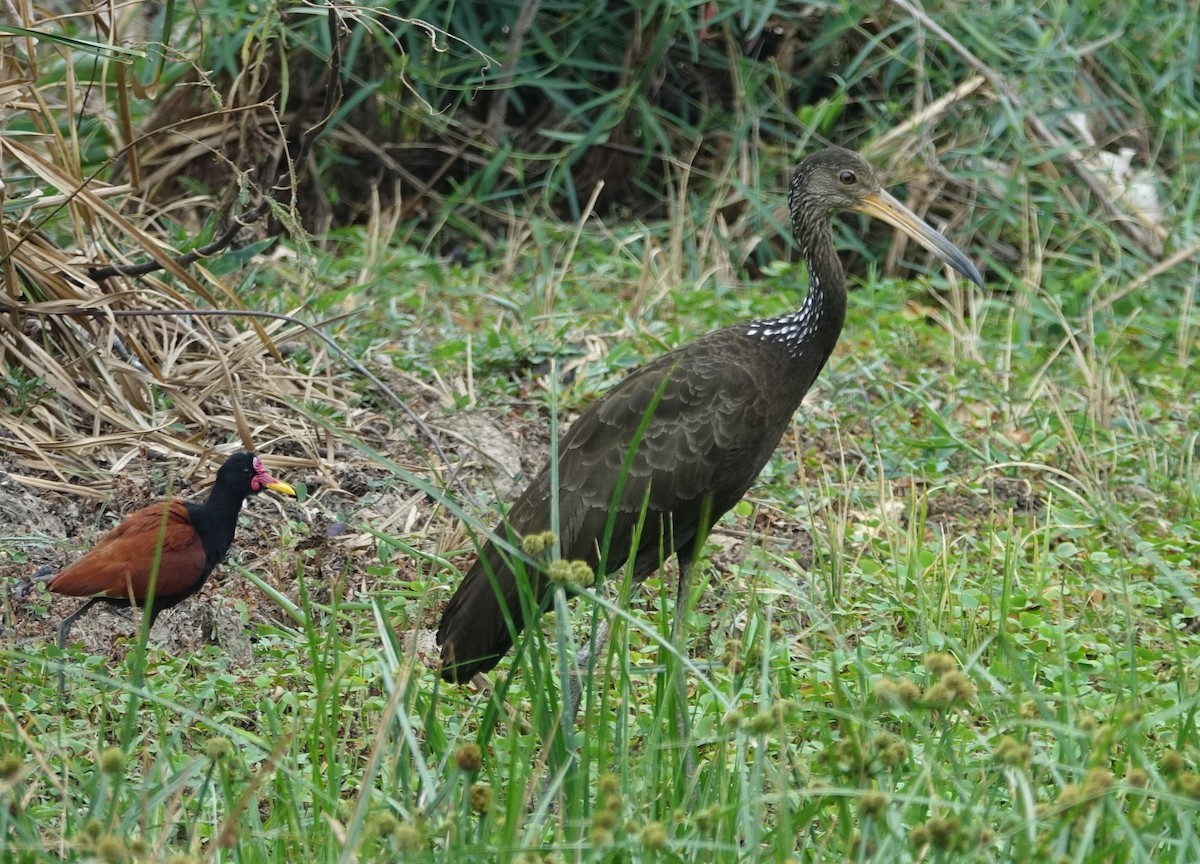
(475, 632)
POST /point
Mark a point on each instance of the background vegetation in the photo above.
(956, 619)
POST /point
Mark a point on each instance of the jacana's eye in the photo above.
(847, 178)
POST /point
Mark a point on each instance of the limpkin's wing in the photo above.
(708, 435)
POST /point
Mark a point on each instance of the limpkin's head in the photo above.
(835, 181)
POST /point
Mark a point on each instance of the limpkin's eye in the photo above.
(847, 178)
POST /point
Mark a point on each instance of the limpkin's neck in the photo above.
(809, 333)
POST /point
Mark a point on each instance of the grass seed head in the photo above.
(939, 696)
(706, 819)
(1071, 795)
(731, 652)
(10, 764)
(469, 758)
(909, 691)
(609, 784)
(886, 690)
(111, 850)
(939, 662)
(218, 748)
(605, 820)
(1171, 762)
(1098, 781)
(654, 835)
(112, 760)
(533, 545)
(871, 804)
(762, 723)
(960, 685)
(895, 755)
(481, 797)
(954, 688)
(582, 575)
(943, 831)
(1187, 784)
(1009, 751)
(408, 837)
(889, 750)
(560, 572)
(1137, 778)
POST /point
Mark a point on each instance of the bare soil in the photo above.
(494, 456)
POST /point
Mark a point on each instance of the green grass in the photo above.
(955, 620)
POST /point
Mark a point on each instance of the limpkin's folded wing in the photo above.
(706, 435)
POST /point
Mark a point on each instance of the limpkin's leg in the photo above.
(679, 643)
(583, 662)
(584, 656)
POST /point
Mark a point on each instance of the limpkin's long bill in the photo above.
(884, 206)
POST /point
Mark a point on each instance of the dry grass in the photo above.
(101, 363)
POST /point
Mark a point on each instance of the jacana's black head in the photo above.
(244, 474)
(836, 181)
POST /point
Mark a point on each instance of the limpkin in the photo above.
(683, 437)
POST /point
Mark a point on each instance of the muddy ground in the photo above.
(42, 531)
(494, 455)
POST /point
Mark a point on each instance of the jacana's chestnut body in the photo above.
(162, 554)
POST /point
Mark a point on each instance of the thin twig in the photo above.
(934, 109)
(496, 111)
(1140, 282)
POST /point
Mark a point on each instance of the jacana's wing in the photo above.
(120, 565)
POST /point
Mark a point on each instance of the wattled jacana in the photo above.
(683, 437)
(187, 540)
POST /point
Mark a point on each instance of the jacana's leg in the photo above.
(65, 627)
(63, 630)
